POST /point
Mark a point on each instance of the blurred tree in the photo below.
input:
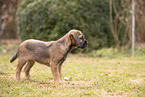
(140, 21)
(7, 18)
(120, 19)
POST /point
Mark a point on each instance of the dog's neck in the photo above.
(66, 41)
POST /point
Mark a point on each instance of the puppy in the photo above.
(52, 53)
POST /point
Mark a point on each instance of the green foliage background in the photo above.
(51, 19)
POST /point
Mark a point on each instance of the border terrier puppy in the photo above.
(52, 53)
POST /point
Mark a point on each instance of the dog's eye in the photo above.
(81, 37)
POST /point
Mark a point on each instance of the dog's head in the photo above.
(78, 39)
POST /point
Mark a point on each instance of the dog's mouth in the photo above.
(83, 45)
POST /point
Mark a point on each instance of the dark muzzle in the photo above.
(84, 44)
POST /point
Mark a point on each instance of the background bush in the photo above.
(51, 19)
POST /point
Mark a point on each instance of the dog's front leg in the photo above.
(60, 68)
(55, 72)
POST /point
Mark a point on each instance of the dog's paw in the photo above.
(58, 82)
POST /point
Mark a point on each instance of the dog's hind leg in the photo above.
(28, 67)
(20, 65)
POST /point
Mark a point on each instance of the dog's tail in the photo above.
(14, 57)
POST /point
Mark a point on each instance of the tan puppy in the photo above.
(51, 53)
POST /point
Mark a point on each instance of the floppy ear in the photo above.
(74, 36)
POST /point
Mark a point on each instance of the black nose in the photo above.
(86, 42)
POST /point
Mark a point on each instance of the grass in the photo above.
(88, 77)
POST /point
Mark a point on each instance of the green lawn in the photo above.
(89, 77)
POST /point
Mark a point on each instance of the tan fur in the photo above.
(51, 53)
